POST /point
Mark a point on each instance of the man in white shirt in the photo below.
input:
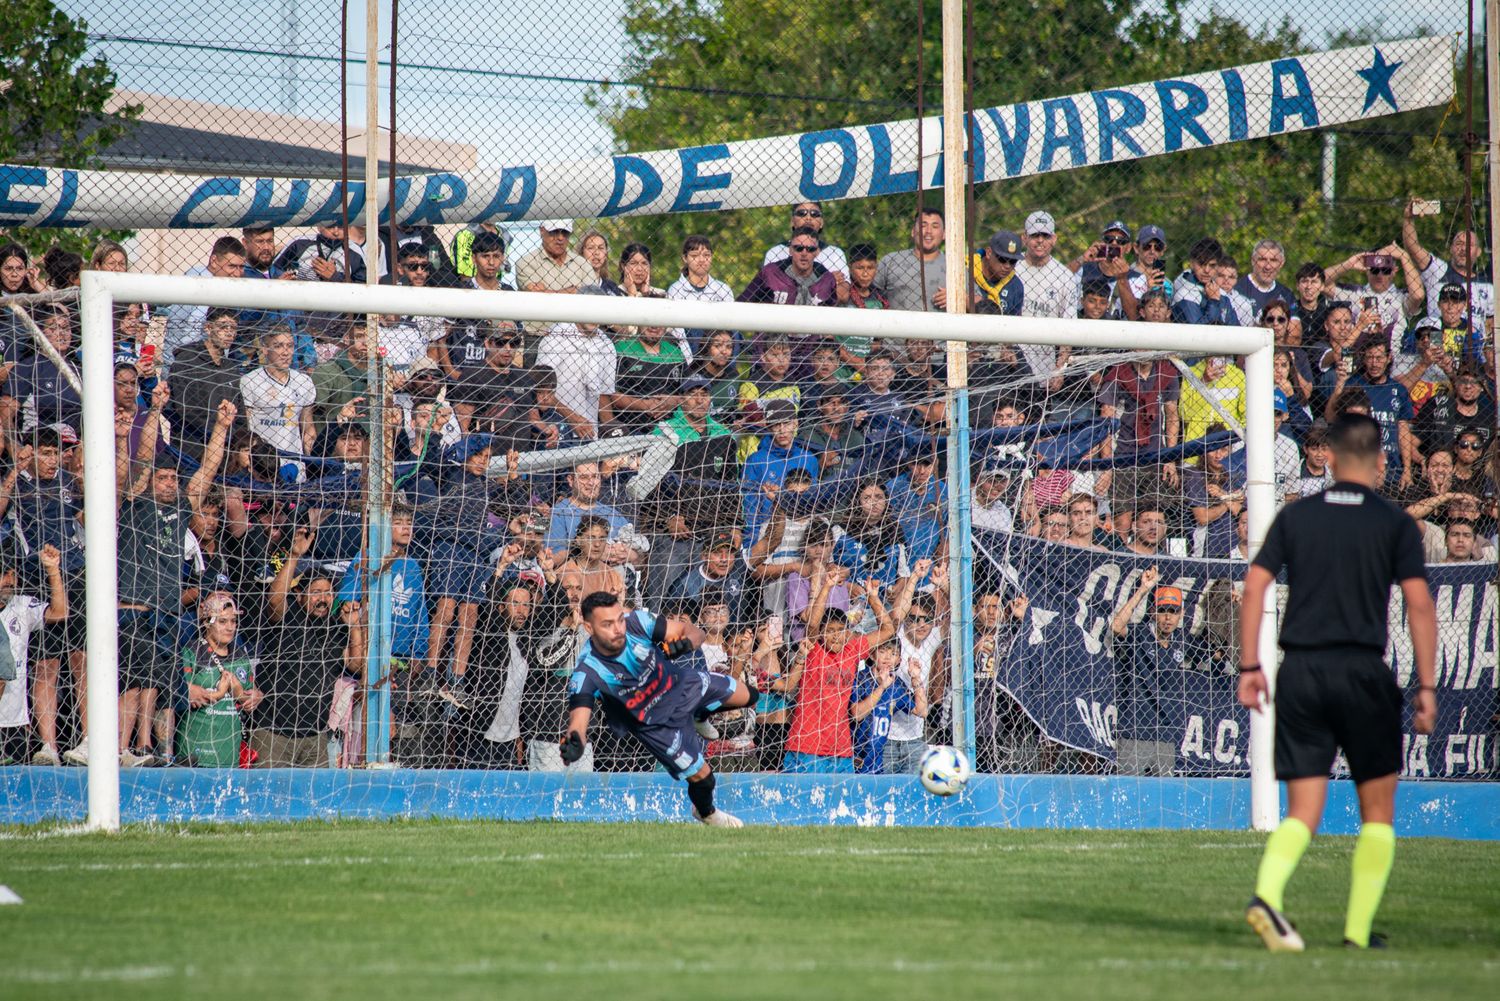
(809, 214)
(278, 401)
(584, 359)
(1051, 286)
(1465, 250)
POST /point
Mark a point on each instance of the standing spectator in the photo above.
(278, 400)
(819, 739)
(554, 267)
(37, 392)
(1105, 269)
(884, 686)
(719, 574)
(778, 454)
(46, 504)
(226, 259)
(1314, 474)
(867, 538)
(1467, 408)
(697, 284)
(1153, 660)
(465, 252)
(414, 269)
(1246, 313)
(834, 437)
(1148, 531)
(913, 279)
(585, 362)
(206, 373)
(1084, 528)
(321, 257)
(585, 484)
(20, 616)
(771, 378)
(1214, 395)
(919, 499)
(1149, 276)
(1216, 494)
(1310, 307)
(594, 248)
(921, 643)
(1197, 296)
(344, 378)
(1262, 283)
(817, 558)
(715, 365)
(809, 215)
(635, 272)
(1380, 292)
(1143, 396)
(648, 378)
(18, 276)
(304, 649)
(408, 588)
(799, 280)
(864, 264)
(1051, 287)
(220, 670)
(1466, 251)
(994, 270)
(1390, 405)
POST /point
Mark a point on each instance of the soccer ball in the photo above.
(944, 770)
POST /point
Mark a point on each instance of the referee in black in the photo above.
(1342, 550)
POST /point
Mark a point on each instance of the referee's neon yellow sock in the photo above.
(1374, 852)
(1284, 850)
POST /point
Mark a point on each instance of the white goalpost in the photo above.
(101, 290)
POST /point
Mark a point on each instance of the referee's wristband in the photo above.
(1249, 668)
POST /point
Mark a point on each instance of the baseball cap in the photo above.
(1168, 597)
(65, 434)
(466, 448)
(718, 539)
(1428, 323)
(1040, 222)
(778, 410)
(423, 364)
(1117, 226)
(1279, 402)
(830, 391)
(1452, 290)
(1006, 245)
(693, 382)
(1150, 232)
(553, 225)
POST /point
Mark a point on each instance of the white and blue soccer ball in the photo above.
(944, 770)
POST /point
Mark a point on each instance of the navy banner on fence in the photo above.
(1062, 671)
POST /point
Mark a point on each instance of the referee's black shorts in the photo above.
(1331, 699)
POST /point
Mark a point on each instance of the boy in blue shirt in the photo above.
(878, 692)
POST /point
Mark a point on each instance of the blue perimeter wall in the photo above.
(31, 795)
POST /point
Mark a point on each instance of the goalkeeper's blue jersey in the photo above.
(639, 679)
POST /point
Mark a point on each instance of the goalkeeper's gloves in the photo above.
(677, 648)
(572, 747)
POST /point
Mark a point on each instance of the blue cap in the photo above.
(1278, 399)
(1117, 226)
(1151, 232)
(466, 448)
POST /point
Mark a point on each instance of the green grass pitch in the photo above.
(413, 910)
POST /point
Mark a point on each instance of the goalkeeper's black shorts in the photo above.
(1326, 700)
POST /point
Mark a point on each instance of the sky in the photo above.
(509, 118)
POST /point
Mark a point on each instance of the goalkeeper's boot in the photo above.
(705, 728)
(1279, 934)
(718, 819)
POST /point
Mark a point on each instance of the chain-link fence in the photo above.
(1265, 165)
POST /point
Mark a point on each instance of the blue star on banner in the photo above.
(1377, 78)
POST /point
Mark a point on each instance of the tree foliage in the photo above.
(52, 102)
(743, 69)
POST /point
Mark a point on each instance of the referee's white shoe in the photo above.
(718, 819)
(1273, 927)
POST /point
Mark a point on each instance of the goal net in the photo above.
(374, 558)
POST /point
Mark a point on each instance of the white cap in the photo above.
(1040, 221)
(553, 225)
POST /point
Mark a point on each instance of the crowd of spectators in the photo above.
(791, 497)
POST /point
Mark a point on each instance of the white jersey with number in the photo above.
(21, 616)
(273, 408)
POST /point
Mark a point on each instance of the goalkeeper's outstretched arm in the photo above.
(576, 736)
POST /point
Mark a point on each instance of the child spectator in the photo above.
(220, 672)
(879, 691)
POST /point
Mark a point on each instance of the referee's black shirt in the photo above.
(1342, 549)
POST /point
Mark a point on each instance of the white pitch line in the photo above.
(505, 858)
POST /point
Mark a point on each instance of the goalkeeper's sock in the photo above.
(1374, 852)
(701, 793)
(1284, 850)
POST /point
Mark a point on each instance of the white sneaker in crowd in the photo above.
(129, 759)
(77, 755)
(47, 756)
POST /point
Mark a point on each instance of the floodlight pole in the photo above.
(956, 283)
(377, 500)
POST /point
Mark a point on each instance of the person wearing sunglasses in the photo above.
(1467, 411)
(796, 280)
(1395, 304)
(809, 215)
(1465, 251)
